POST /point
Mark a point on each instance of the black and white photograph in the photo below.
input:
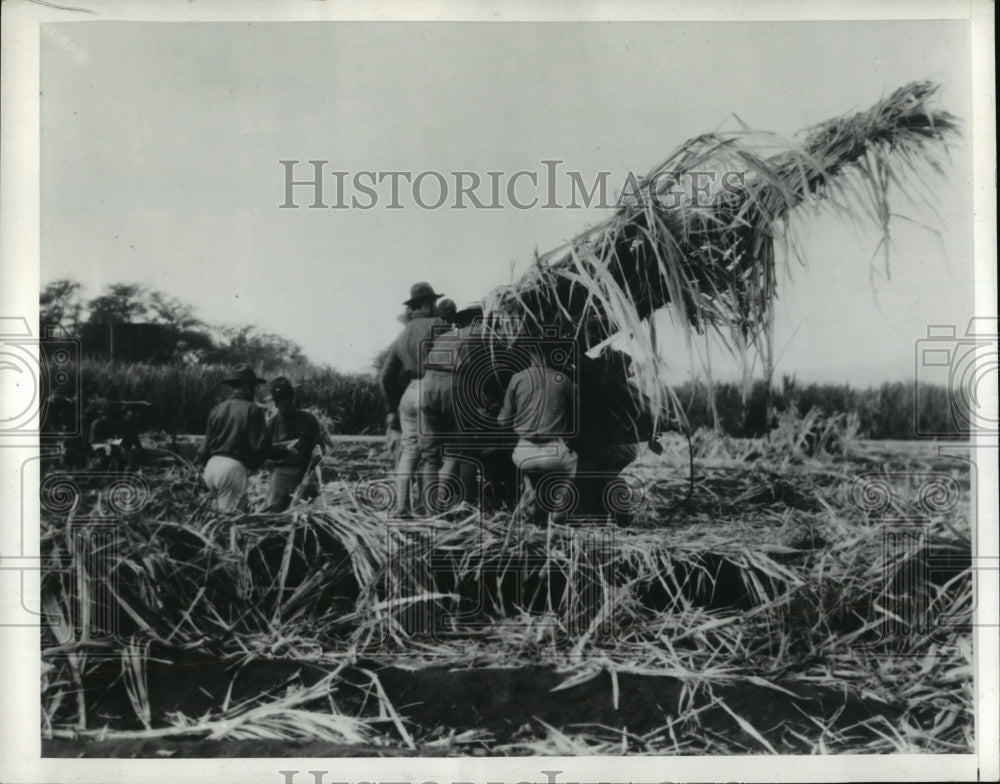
(438, 393)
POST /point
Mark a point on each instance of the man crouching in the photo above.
(540, 403)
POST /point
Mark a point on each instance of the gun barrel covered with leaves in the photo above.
(713, 259)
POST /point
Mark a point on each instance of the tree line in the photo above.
(184, 380)
(188, 338)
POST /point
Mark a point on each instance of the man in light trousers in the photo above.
(540, 404)
(399, 379)
(235, 442)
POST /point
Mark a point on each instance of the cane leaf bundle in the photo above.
(711, 255)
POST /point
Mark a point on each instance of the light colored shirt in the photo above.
(402, 364)
(540, 403)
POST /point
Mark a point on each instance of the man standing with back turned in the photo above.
(400, 388)
(235, 441)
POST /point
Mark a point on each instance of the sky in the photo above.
(161, 147)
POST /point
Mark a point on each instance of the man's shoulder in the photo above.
(448, 338)
(427, 323)
(563, 377)
(307, 418)
(221, 406)
(236, 404)
(527, 376)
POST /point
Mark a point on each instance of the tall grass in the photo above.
(773, 577)
(182, 395)
(891, 410)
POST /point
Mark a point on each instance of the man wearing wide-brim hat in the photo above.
(399, 380)
(235, 441)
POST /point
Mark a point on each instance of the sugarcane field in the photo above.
(369, 440)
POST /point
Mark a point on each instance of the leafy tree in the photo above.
(171, 311)
(190, 339)
(121, 304)
(264, 350)
(59, 305)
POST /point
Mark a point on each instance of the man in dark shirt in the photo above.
(540, 404)
(129, 428)
(235, 441)
(59, 413)
(445, 385)
(293, 434)
(393, 435)
(400, 389)
(105, 453)
(102, 421)
(614, 420)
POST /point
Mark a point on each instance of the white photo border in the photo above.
(19, 285)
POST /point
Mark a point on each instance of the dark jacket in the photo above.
(612, 410)
(237, 429)
(296, 424)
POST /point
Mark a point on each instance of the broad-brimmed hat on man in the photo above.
(421, 292)
(243, 374)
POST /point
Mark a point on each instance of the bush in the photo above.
(884, 412)
(182, 395)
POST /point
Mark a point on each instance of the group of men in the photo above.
(107, 438)
(453, 404)
(469, 418)
(240, 439)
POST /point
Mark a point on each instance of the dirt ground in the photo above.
(505, 705)
(497, 707)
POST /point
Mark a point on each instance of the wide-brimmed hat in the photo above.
(420, 292)
(243, 374)
(281, 387)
